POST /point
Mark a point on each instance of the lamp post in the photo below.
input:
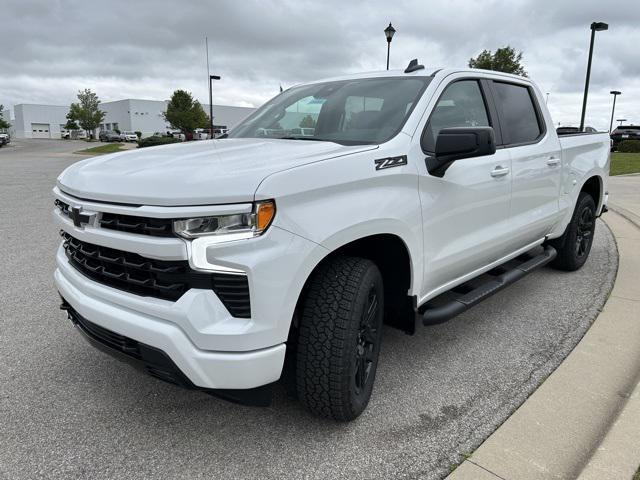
(389, 32)
(211, 78)
(547, 100)
(620, 120)
(615, 93)
(595, 27)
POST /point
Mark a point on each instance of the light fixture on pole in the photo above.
(211, 78)
(595, 27)
(620, 120)
(615, 93)
(389, 32)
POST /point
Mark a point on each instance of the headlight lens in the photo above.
(239, 225)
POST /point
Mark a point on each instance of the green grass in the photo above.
(624, 163)
(102, 149)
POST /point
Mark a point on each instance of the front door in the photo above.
(466, 212)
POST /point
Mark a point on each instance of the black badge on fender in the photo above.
(390, 162)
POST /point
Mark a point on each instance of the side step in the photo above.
(441, 313)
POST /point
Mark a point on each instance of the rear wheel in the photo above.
(339, 338)
(575, 244)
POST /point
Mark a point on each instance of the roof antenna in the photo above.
(413, 66)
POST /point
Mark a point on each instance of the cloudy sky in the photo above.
(148, 48)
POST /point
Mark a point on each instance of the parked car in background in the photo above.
(201, 134)
(177, 134)
(109, 136)
(129, 137)
(5, 138)
(625, 132)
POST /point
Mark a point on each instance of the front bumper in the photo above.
(154, 361)
(205, 369)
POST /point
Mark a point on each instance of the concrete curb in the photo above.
(584, 420)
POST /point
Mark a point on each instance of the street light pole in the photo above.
(595, 27)
(211, 78)
(615, 93)
(389, 32)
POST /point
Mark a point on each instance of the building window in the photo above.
(115, 126)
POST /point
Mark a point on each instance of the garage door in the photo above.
(40, 130)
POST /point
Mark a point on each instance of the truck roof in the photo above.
(426, 72)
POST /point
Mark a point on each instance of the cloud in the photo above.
(146, 49)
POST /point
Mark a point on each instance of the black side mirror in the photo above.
(461, 142)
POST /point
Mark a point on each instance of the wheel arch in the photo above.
(594, 187)
(392, 256)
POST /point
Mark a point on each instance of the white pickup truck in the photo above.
(225, 264)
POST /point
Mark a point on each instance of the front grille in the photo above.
(64, 207)
(168, 280)
(157, 227)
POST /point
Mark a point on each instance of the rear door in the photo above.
(466, 212)
(536, 161)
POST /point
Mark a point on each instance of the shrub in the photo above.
(629, 146)
(154, 141)
(139, 134)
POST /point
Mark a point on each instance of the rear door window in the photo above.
(519, 117)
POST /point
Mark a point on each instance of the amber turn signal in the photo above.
(265, 211)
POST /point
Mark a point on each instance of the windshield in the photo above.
(349, 112)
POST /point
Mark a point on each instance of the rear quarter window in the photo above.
(519, 119)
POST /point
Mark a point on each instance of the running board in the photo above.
(442, 313)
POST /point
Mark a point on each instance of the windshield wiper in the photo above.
(314, 139)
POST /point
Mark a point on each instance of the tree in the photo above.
(86, 111)
(307, 122)
(185, 113)
(3, 122)
(71, 124)
(505, 59)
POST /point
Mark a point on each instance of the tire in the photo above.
(575, 244)
(339, 338)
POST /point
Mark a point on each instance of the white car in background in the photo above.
(129, 136)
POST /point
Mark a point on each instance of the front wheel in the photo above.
(339, 338)
(575, 244)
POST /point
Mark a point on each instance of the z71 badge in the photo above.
(390, 162)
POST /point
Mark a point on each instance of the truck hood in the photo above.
(196, 173)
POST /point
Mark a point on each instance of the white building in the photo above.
(145, 116)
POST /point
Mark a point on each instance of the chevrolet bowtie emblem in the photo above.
(80, 219)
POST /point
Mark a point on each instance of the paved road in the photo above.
(69, 411)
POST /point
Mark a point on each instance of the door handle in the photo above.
(499, 171)
(553, 161)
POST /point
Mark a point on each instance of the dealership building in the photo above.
(145, 116)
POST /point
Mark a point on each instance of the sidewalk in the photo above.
(584, 420)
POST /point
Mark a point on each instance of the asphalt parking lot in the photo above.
(69, 411)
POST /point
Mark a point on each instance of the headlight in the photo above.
(231, 227)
